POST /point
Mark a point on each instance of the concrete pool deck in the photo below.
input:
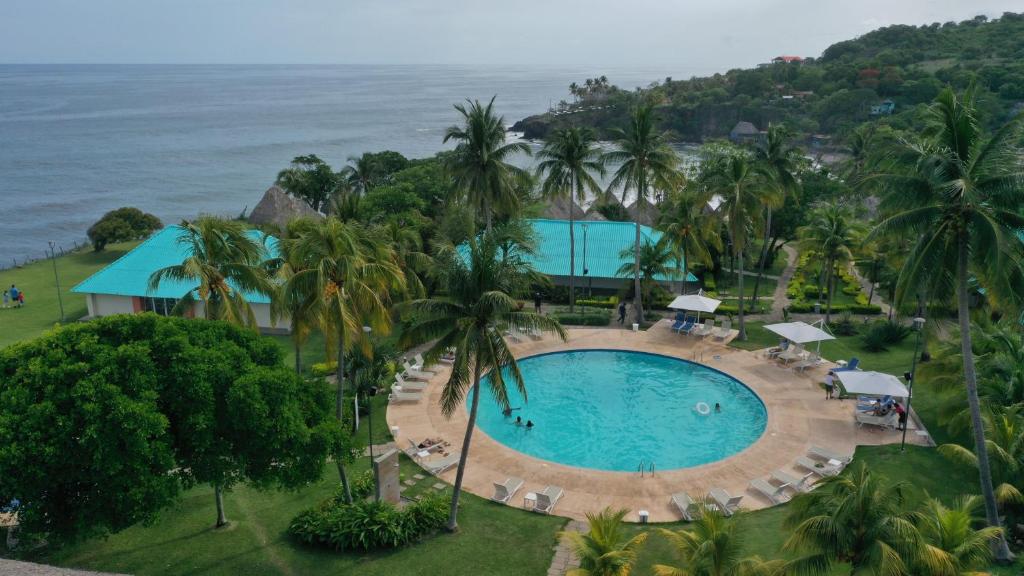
(798, 417)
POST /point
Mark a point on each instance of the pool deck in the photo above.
(798, 417)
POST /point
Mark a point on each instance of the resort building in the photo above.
(745, 133)
(122, 287)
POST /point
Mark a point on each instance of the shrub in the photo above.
(122, 225)
(811, 291)
(324, 368)
(845, 325)
(883, 334)
(865, 309)
(709, 283)
(581, 319)
(367, 524)
(851, 289)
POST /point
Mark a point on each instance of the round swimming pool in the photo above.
(611, 409)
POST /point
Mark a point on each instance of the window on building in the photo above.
(161, 306)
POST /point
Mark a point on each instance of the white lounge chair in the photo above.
(504, 491)
(409, 385)
(794, 353)
(810, 362)
(535, 334)
(547, 498)
(801, 484)
(888, 421)
(513, 335)
(414, 449)
(685, 505)
(414, 373)
(398, 396)
(436, 467)
(726, 504)
(706, 330)
(723, 332)
(820, 468)
(774, 494)
(826, 454)
(421, 364)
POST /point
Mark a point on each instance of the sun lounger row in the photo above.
(544, 501)
(717, 499)
(687, 325)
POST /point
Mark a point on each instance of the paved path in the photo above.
(779, 299)
(564, 559)
(865, 285)
(14, 567)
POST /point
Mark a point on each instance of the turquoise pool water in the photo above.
(609, 410)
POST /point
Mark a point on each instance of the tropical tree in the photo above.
(646, 164)
(954, 546)
(743, 195)
(480, 167)
(690, 230)
(344, 279)
(832, 233)
(471, 319)
(285, 304)
(959, 194)
(310, 179)
(359, 173)
(779, 162)
(855, 518)
(224, 262)
(605, 549)
(1004, 441)
(570, 158)
(656, 259)
(407, 245)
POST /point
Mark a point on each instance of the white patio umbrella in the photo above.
(695, 303)
(800, 332)
(872, 383)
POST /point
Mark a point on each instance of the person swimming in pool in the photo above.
(718, 407)
(529, 424)
(519, 420)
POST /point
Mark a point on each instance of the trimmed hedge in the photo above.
(804, 307)
(369, 525)
(580, 319)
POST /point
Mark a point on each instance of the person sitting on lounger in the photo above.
(881, 409)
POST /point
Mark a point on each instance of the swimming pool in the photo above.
(610, 409)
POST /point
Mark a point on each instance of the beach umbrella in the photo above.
(695, 303)
(800, 332)
(872, 383)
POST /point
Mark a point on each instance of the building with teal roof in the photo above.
(122, 287)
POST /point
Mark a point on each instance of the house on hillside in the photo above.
(122, 287)
(744, 133)
(886, 108)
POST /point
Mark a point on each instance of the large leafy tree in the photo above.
(479, 166)
(224, 262)
(104, 422)
(122, 225)
(646, 164)
(344, 278)
(713, 546)
(312, 180)
(832, 233)
(959, 193)
(482, 283)
(570, 159)
(689, 228)
(606, 549)
(780, 162)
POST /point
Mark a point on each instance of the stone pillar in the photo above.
(386, 473)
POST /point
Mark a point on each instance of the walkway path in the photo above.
(564, 559)
(779, 299)
(865, 285)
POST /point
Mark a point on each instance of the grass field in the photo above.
(41, 311)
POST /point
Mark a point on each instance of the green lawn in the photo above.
(41, 311)
(767, 288)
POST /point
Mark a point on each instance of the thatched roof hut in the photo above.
(558, 209)
(650, 212)
(277, 208)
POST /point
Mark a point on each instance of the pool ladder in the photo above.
(649, 470)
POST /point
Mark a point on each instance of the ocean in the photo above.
(177, 141)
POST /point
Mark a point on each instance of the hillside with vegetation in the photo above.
(830, 95)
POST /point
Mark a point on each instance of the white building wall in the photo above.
(263, 320)
(107, 304)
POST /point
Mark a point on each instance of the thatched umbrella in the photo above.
(277, 208)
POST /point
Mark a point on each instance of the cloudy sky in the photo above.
(707, 36)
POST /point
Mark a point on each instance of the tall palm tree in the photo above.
(570, 158)
(1004, 440)
(480, 167)
(688, 228)
(359, 174)
(855, 518)
(344, 280)
(605, 549)
(655, 260)
(955, 547)
(959, 194)
(779, 162)
(471, 318)
(224, 263)
(288, 304)
(407, 244)
(833, 233)
(646, 164)
(743, 195)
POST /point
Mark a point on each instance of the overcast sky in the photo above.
(706, 36)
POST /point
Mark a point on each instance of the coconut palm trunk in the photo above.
(1000, 549)
(572, 254)
(453, 523)
(637, 298)
(764, 254)
(829, 290)
(743, 330)
(339, 405)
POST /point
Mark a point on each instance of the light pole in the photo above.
(909, 376)
(60, 300)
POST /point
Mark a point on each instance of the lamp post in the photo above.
(60, 301)
(909, 376)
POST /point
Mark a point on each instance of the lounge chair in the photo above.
(851, 365)
(826, 454)
(504, 491)
(678, 322)
(414, 449)
(706, 329)
(398, 396)
(535, 334)
(818, 467)
(723, 332)
(801, 484)
(438, 466)
(409, 385)
(421, 363)
(889, 420)
(547, 498)
(810, 362)
(726, 504)
(774, 494)
(685, 505)
(448, 358)
(513, 336)
(794, 353)
(411, 372)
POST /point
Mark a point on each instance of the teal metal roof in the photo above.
(604, 241)
(129, 274)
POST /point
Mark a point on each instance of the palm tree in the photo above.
(605, 550)
(407, 244)
(479, 166)
(286, 304)
(359, 174)
(832, 233)
(471, 318)
(778, 161)
(655, 260)
(646, 163)
(1004, 440)
(224, 263)
(954, 547)
(688, 228)
(570, 158)
(344, 279)
(959, 194)
(743, 194)
(713, 546)
(855, 518)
